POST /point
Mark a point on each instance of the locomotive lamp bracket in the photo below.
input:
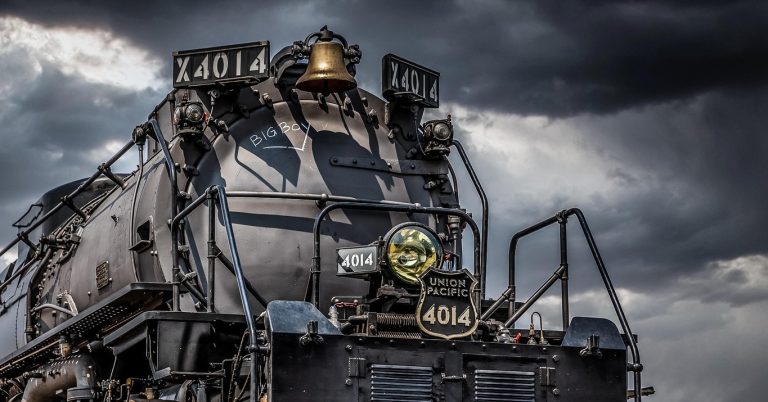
(311, 337)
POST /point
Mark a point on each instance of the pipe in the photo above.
(564, 303)
(239, 276)
(536, 295)
(512, 250)
(171, 170)
(54, 307)
(212, 251)
(76, 373)
(483, 203)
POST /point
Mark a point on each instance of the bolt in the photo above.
(348, 382)
(555, 358)
(556, 392)
(348, 348)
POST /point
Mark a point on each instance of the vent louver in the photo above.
(506, 386)
(392, 383)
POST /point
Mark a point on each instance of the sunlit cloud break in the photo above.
(95, 55)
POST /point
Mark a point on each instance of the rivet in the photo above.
(373, 163)
(335, 160)
(354, 161)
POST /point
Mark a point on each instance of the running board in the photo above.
(90, 324)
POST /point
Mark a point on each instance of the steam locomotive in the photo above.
(288, 236)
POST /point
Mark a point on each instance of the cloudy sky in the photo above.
(650, 116)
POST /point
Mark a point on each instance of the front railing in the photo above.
(561, 274)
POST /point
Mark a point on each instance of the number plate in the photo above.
(446, 307)
(357, 260)
(404, 79)
(247, 63)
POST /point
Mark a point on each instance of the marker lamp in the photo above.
(412, 249)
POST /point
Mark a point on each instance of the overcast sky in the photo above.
(648, 115)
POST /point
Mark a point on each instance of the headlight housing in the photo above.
(410, 250)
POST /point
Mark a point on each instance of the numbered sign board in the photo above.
(247, 62)
(357, 260)
(446, 307)
(404, 79)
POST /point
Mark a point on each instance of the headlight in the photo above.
(412, 249)
(442, 131)
(194, 113)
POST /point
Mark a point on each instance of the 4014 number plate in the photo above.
(446, 308)
(245, 63)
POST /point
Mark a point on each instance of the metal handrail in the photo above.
(103, 169)
(560, 274)
(483, 204)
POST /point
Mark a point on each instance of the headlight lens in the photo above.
(412, 249)
(442, 131)
(194, 113)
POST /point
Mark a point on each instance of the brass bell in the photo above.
(326, 71)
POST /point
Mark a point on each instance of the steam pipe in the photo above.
(76, 374)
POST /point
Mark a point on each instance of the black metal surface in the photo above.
(291, 317)
(89, 324)
(380, 369)
(180, 344)
(582, 328)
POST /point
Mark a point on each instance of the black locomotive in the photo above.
(287, 237)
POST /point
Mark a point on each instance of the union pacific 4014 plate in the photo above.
(446, 308)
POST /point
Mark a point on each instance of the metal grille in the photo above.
(506, 386)
(391, 383)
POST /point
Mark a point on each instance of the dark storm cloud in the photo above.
(696, 195)
(51, 129)
(666, 99)
(551, 57)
